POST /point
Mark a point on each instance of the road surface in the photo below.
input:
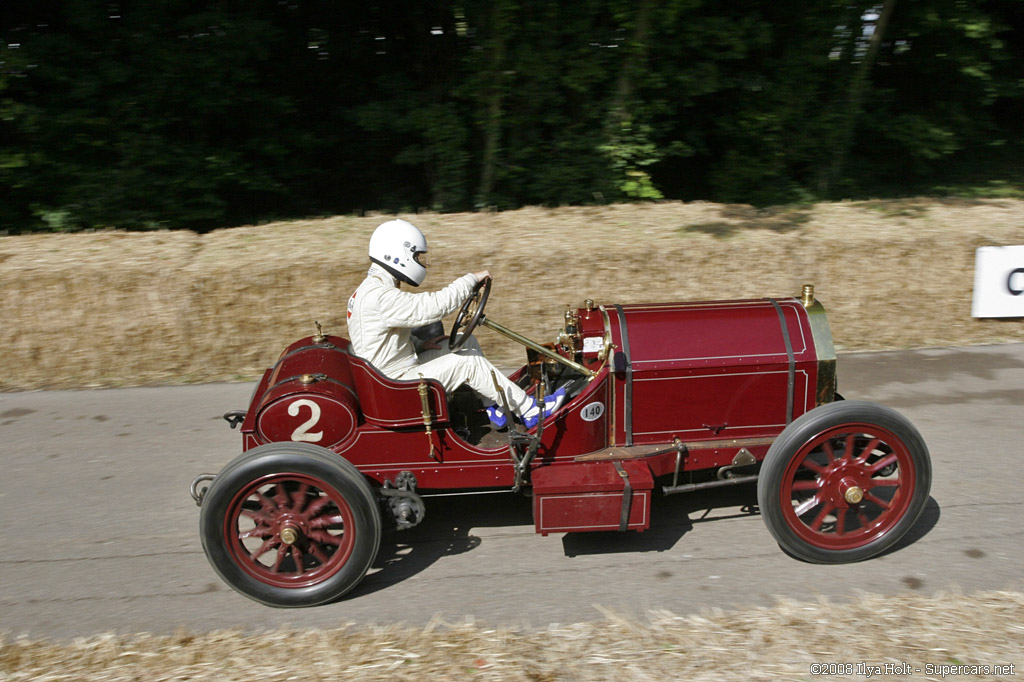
(100, 533)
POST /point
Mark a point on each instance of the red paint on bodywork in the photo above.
(714, 375)
(392, 403)
(589, 496)
(713, 370)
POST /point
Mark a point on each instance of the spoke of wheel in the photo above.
(318, 553)
(826, 509)
(282, 552)
(257, 532)
(266, 504)
(872, 498)
(840, 521)
(881, 464)
(868, 449)
(264, 548)
(299, 497)
(316, 507)
(327, 521)
(297, 558)
(806, 506)
(863, 519)
(325, 538)
(812, 465)
(882, 483)
(829, 452)
(281, 496)
(260, 517)
(850, 446)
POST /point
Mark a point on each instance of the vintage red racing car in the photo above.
(662, 399)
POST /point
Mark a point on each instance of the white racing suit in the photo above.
(380, 321)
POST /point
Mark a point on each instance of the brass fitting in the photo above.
(853, 495)
(807, 296)
(319, 337)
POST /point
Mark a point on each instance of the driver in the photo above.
(381, 317)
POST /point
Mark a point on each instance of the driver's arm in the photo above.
(398, 308)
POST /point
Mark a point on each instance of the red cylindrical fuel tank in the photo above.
(309, 396)
(705, 371)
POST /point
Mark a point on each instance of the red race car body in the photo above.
(733, 391)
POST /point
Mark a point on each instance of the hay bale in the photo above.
(111, 308)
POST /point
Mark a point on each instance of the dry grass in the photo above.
(777, 643)
(114, 308)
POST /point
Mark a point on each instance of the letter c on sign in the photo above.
(1009, 282)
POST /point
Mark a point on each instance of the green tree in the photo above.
(207, 113)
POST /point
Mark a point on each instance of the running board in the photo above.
(635, 452)
(641, 451)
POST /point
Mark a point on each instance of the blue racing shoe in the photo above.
(499, 419)
(551, 405)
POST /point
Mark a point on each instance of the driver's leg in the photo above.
(471, 368)
(469, 347)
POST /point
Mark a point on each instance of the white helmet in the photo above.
(398, 246)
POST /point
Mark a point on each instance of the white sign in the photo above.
(592, 412)
(593, 344)
(998, 282)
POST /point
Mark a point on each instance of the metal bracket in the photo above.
(234, 417)
(194, 490)
(523, 466)
(681, 451)
(627, 497)
(743, 458)
(407, 506)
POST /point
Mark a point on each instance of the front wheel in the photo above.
(844, 482)
(290, 525)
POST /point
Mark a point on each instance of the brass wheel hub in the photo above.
(853, 495)
(289, 535)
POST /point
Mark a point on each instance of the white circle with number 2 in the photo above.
(592, 412)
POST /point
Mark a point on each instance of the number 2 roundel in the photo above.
(303, 432)
(319, 419)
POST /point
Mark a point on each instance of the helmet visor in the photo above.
(421, 257)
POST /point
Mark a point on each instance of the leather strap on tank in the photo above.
(627, 418)
(627, 496)
(791, 359)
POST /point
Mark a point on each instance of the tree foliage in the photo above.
(188, 113)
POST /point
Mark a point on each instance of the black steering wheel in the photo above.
(472, 308)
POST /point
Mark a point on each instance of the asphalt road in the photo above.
(100, 534)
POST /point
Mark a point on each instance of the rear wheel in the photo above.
(844, 482)
(290, 524)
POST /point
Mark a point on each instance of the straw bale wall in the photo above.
(119, 308)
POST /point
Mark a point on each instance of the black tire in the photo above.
(290, 525)
(844, 482)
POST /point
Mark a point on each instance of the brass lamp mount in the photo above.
(319, 337)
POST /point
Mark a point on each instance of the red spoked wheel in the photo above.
(289, 530)
(844, 482)
(290, 524)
